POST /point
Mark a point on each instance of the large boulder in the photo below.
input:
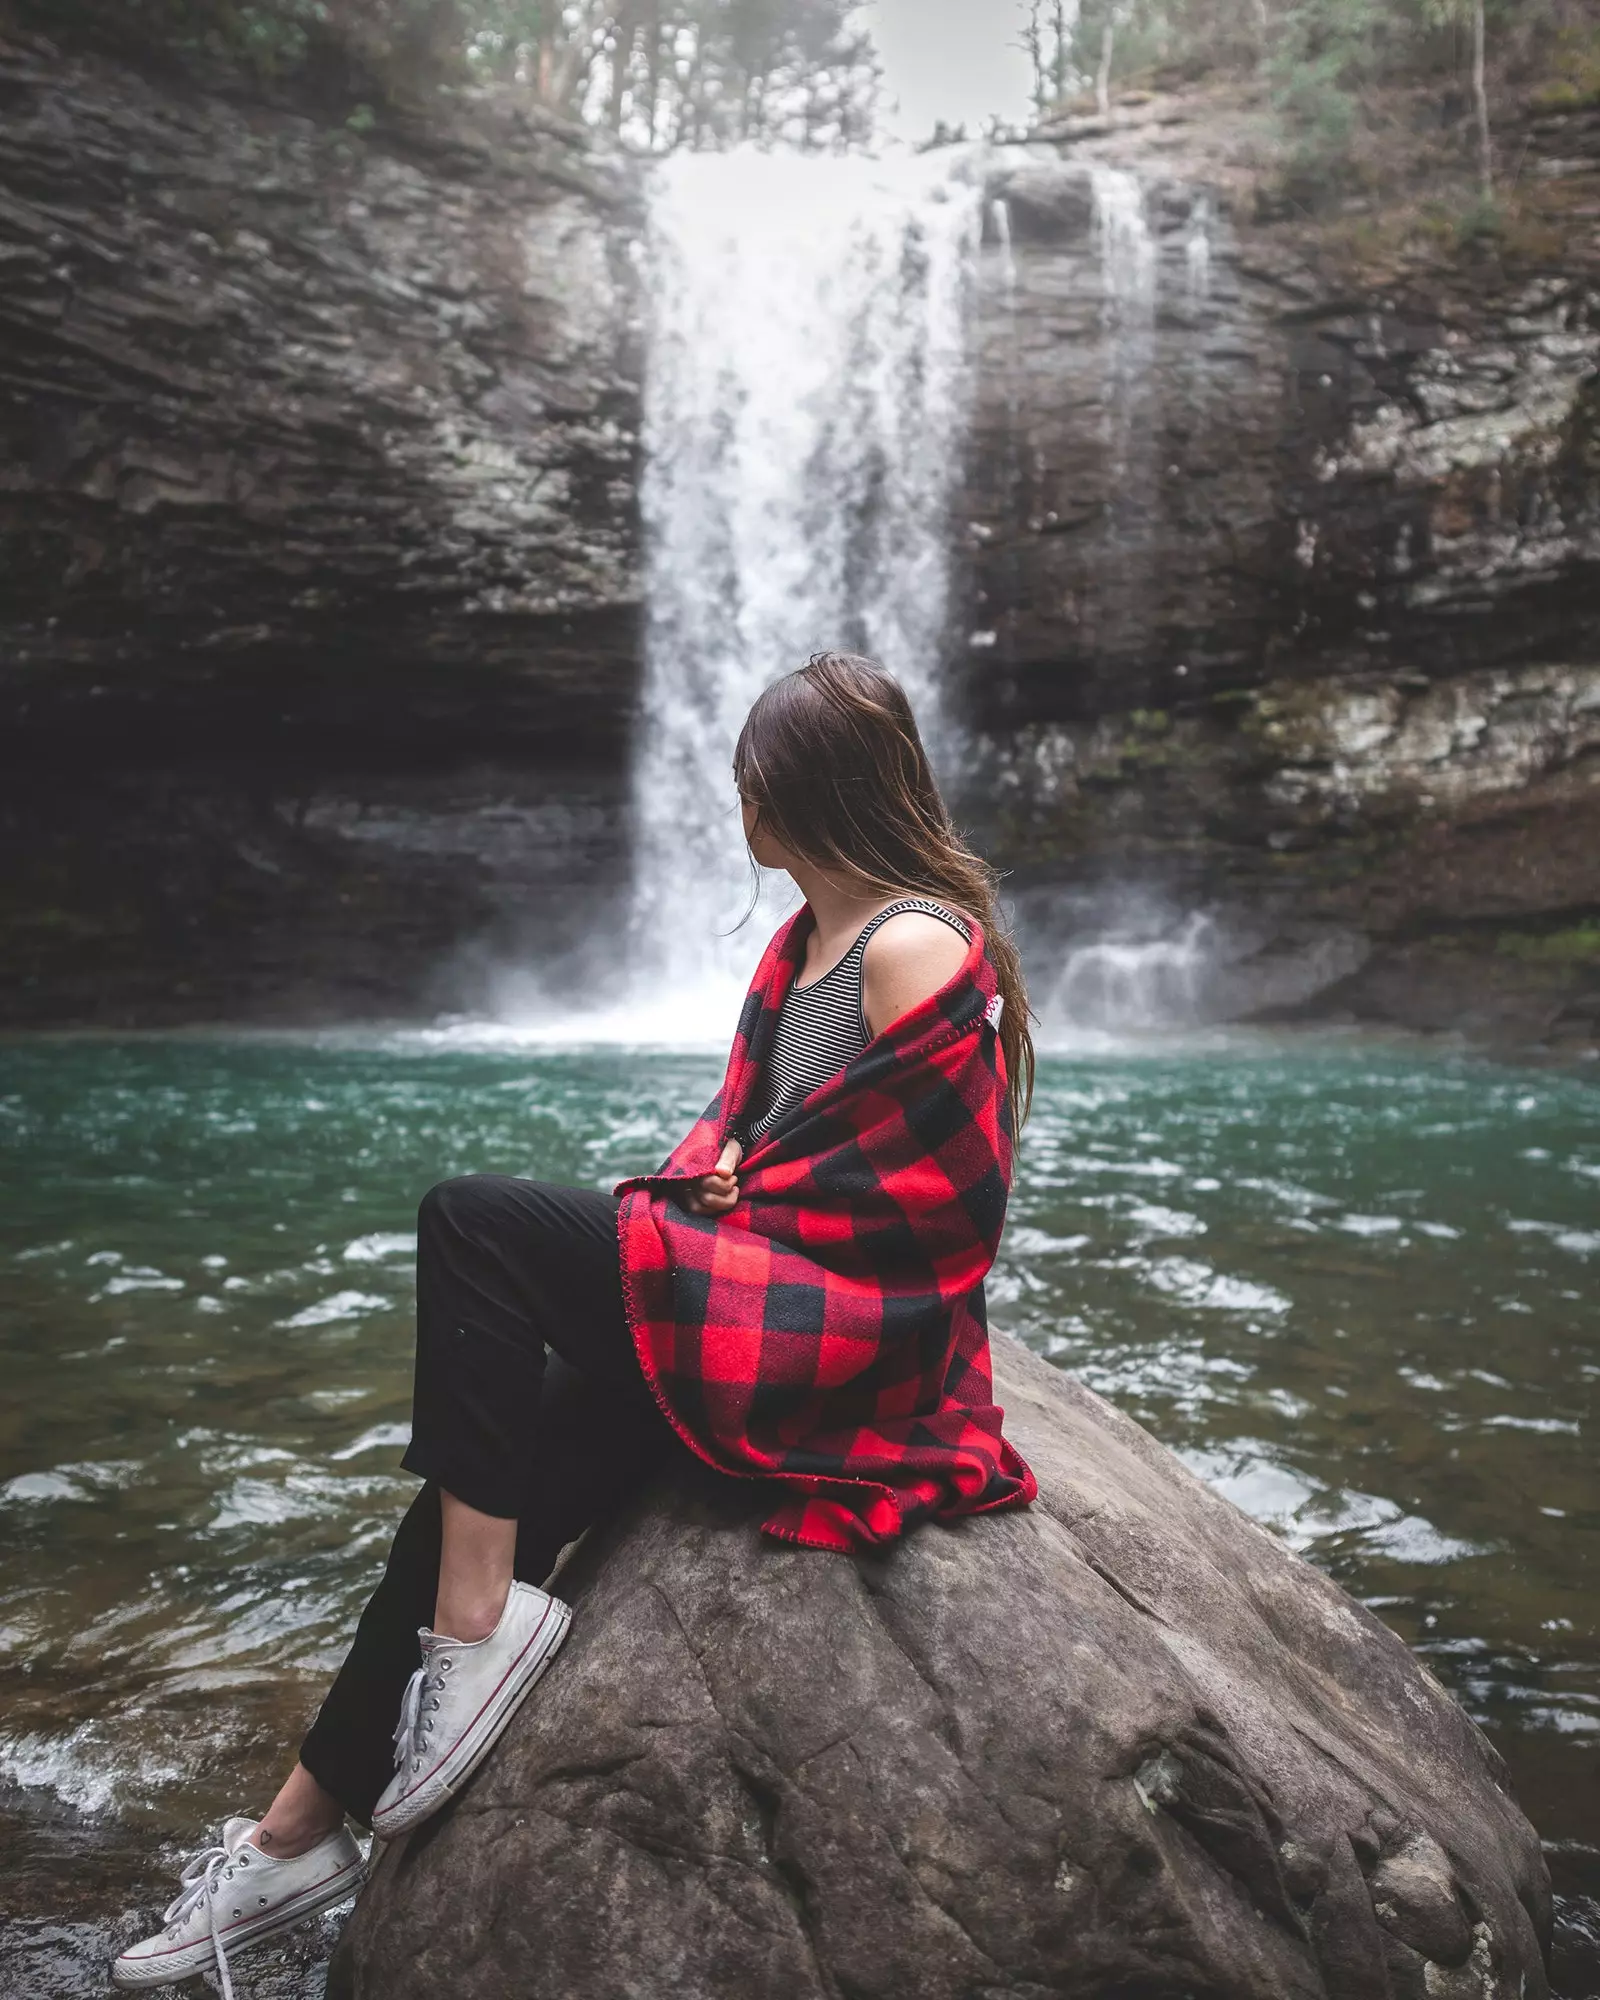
(1122, 1743)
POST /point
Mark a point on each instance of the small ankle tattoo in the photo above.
(263, 1839)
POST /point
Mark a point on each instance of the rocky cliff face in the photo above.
(317, 525)
(1284, 572)
(296, 414)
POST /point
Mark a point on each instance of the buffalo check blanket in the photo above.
(830, 1333)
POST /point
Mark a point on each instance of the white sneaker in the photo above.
(233, 1896)
(459, 1700)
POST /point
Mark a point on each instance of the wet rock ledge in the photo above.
(1122, 1744)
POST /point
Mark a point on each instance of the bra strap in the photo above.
(858, 950)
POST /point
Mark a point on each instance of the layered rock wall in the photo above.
(319, 575)
(1283, 578)
(334, 427)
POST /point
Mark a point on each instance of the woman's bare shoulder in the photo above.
(908, 958)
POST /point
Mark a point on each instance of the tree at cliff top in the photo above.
(688, 72)
(658, 72)
(1327, 62)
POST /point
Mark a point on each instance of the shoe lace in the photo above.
(201, 1874)
(417, 1710)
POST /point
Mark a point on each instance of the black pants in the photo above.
(506, 1269)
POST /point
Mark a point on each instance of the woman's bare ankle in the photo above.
(301, 1815)
(476, 1555)
(459, 1615)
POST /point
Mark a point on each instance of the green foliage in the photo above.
(1481, 222)
(1576, 82)
(1069, 43)
(1322, 55)
(661, 72)
(272, 38)
(710, 72)
(1325, 63)
(1578, 946)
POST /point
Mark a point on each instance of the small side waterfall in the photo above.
(1128, 252)
(1121, 985)
(1197, 249)
(804, 409)
(1129, 269)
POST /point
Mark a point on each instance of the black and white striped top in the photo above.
(821, 1026)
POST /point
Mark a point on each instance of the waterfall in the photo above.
(1010, 483)
(804, 411)
(1128, 282)
(1197, 249)
(1126, 984)
(1127, 248)
(1000, 216)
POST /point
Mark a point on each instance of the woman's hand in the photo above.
(716, 1193)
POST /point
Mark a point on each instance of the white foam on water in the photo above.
(381, 1437)
(380, 1248)
(1196, 1284)
(1579, 1242)
(137, 1279)
(342, 1306)
(699, 1016)
(83, 1769)
(1154, 1220)
(90, 1481)
(1305, 1514)
(1410, 1539)
(305, 1495)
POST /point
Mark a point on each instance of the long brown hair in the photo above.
(832, 757)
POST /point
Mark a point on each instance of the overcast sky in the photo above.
(959, 60)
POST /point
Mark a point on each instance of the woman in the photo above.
(796, 1296)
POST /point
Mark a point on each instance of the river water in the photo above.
(1352, 1284)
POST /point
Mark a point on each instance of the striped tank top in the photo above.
(821, 1026)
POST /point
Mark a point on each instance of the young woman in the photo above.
(795, 1297)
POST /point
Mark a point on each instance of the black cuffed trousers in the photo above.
(529, 1404)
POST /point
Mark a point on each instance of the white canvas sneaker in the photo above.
(233, 1895)
(459, 1700)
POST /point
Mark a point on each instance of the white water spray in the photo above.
(804, 410)
(1131, 985)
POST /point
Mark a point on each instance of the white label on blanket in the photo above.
(992, 1012)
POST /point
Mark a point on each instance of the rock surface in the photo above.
(318, 526)
(1283, 578)
(1122, 1744)
(309, 431)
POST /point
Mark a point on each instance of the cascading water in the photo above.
(1114, 984)
(1129, 275)
(1127, 247)
(1197, 250)
(804, 410)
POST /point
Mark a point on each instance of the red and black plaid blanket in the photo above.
(830, 1332)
